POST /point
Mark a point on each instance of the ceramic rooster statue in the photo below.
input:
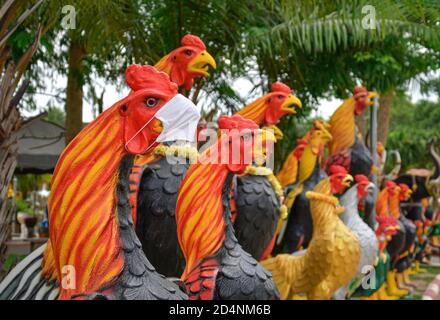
(384, 231)
(155, 179)
(384, 206)
(91, 228)
(332, 257)
(257, 195)
(404, 261)
(217, 267)
(422, 182)
(296, 231)
(188, 61)
(367, 238)
(289, 172)
(346, 149)
(396, 245)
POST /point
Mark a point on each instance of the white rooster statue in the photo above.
(367, 239)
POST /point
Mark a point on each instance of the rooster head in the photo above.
(318, 139)
(238, 136)
(405, 192)
(151, 90)
(386, 227)
(321, 124)
(339, 179)
(362, 99)
(188, 61)
(362, 185)
(269, 109)
(280, 102)
(391, 188)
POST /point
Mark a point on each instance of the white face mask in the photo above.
(179, 118)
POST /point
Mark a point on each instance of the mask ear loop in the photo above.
(139, 131)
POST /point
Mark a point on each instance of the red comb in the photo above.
(403, 187)
(336, 169)
(390, 184)
(236, 122)
(360, 178)
(192, 41)
(141, 77)
(281, 87)
(359, 89)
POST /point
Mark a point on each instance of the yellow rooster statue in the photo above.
(333, 254)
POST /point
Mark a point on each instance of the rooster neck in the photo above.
(82, 204)
(343, 127)
(350, 202)
(323, 218)
(395, 206)
(309, 166)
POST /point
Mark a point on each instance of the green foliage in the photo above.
(411, 127)
(23, 206)
(319, 48)
(56, 115)
(27, 183)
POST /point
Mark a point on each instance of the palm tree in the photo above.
(322, 48)
(12, 14)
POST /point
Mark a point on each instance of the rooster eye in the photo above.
(280, 97)
(188, 53)
(151, 102)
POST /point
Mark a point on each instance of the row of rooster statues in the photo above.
(130, 219)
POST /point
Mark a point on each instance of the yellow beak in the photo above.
(157, 126)
(200, 64)
(347, 180)
(290, 104)
(371, 95)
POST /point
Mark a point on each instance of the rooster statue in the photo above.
(404, 261)
(257, 195)
(297, 229)
(188, 61)
(384, 231)
(346, 148)
(422, 182)
(289, 172)
(333, 255)
(91, 228)
(384, 204)
(155, 180)
(397, 242)
(366, 236)
(217, 267)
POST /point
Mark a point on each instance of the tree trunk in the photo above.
(74, 96)
(10, 75)
(384, 112)
(9, 122)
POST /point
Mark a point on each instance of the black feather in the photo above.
(156, 210)
(257, 213)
